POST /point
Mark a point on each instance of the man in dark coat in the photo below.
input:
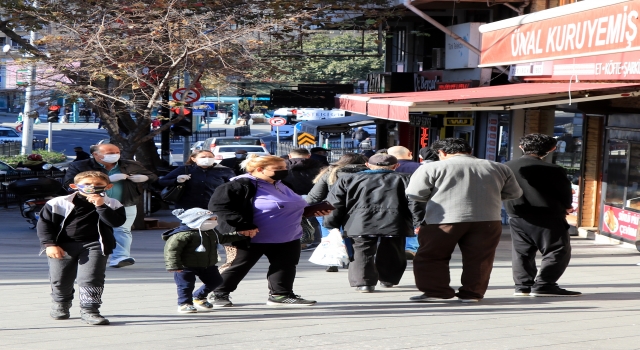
(359, 135)
(234, 163)
(80, 154)
(372, 206)
(319, 154)
(538, 220)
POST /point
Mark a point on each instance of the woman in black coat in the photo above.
(201, 176)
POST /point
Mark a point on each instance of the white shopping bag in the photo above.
(331, 251)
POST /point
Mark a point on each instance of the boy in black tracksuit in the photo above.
(76, 231)
(538, 220)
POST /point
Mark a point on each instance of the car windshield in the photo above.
(5, 167)
(220, 142)
(9, 133)
(238, 148)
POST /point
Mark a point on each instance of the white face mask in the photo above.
(205, 161)
(110, 158)
(208, 225)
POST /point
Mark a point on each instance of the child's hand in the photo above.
(55, 252)
(95, 199)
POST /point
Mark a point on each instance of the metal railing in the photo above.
(13, 148)
(334, 153)
(196, 136)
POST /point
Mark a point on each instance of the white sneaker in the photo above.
(202, 305)
(469, 300)
(187, 309)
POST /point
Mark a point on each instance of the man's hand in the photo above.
(117, 177)
(138, 178)
(55, 252)
(570, 210)
(183, 178)
(249, 233)
(322, 213)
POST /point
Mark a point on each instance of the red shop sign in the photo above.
(621, 223)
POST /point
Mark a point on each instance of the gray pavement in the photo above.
(140, 301)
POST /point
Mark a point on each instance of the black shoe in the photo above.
(365, 289)
(288, 300)
(554, 292)
(409, 254)
(220, 300)
(60, 311)
(522, 292)
(123, 263)
(93, 317)
(332, 269)
(386, 284)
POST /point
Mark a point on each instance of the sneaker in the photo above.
(93, 318)
(409, 254)
(60, 311)
(332, 269)
(288, 300)
(365, 289)
(202, 304)
(386, 284)
(187, 309)
(522, 292)
(426, 298)
(123, 263)
(221, 300)
(469, 300)
(555, 292)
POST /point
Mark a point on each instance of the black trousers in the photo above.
(550, 236)
(385, 262)
(283, 259)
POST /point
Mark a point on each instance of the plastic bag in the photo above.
(331, 251)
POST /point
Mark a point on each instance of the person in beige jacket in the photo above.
(464, 198)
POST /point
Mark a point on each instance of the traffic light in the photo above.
(185, 126)
(52, 116)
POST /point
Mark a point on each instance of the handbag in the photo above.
(174, 193)
(307, 231)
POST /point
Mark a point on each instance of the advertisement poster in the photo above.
(492, 138)
(622, 223)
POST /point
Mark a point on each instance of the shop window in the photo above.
(616, 173)
(633, 182)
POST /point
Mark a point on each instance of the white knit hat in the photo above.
(194, 218)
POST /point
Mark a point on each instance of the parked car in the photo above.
(229, 151)
(213, 142)
(197, 145)
(6, 168)
(9, 135)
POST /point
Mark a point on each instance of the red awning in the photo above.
(397, 106)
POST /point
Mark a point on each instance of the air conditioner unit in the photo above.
(437, 58)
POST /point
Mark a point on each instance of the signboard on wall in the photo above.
(458, 56)
(492, 138)
(621, 223)
(467, 121)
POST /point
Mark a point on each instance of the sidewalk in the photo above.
(140, 302)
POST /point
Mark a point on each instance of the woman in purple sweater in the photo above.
(258, 205)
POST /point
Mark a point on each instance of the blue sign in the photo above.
(299, 127)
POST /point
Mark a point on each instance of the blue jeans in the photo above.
(412, 244)
(186, 282)
(347, 241)
(123, 237)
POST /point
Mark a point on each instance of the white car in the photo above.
(224, 152)
(9, 135)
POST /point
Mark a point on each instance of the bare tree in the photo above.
(123, 56)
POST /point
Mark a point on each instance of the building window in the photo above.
(616, 173)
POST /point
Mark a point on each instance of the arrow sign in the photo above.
(277, 121)
(192, 95)
(306, 139)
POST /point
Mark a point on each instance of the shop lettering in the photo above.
(620, 28)
(630, 219)
(422, 84)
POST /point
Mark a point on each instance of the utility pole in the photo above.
(27, 124)
(186, 145)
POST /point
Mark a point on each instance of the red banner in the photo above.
(600, 30)
(622, 223)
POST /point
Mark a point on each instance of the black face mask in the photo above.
(279, 175)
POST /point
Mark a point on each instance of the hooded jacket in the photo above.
(131, 191)
(53, 218)
(373, 202)
(302, 171)
(321, 189)
(199, 189)
(182, 242)
(232, 202)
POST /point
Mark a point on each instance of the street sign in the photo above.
(298, 127)
(306, 139)
(192, 95)
(277, 121)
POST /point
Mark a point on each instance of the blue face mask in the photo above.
(90, 189)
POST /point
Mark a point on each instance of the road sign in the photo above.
(306, 139)
(298, 127)
(277, 121)
(192, 95)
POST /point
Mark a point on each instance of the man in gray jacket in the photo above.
(464, 198)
